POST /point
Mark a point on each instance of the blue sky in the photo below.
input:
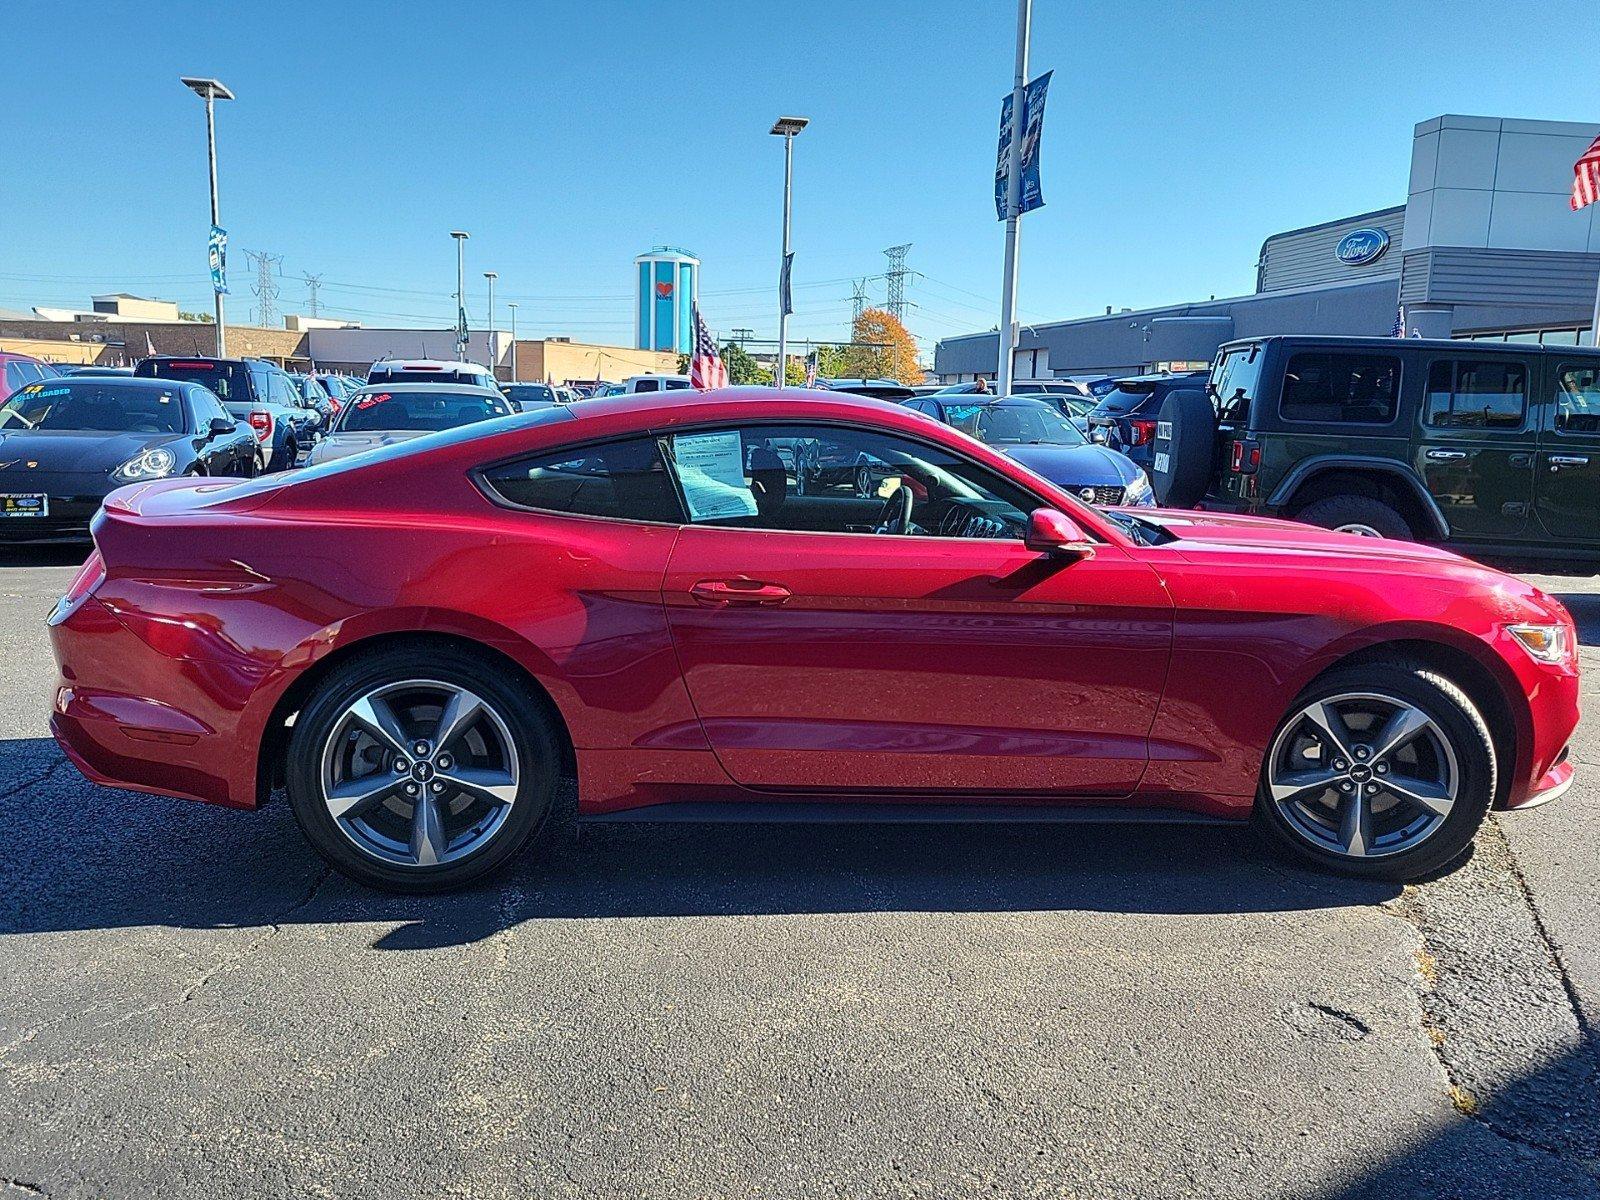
(568, 137)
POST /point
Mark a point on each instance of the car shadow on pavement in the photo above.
(1538, 1135)
(44, 554)
(89, 857)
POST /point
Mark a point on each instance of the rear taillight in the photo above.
(1141, 433)
(261, 422)
(89, 577)
(1246, 458)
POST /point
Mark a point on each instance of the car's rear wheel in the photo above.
(1360, 515)
(1382, 770)
(416, 770)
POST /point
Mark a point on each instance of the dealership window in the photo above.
(623, 480)
(1578, 400)
(1343, 388)
(1463, 394)
(837, 479)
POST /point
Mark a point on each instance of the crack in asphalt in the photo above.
(1446, 994)
(226, 963)
(22, 1185)
(59, 761)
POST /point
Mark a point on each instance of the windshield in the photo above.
(1123, 399)
(1233, 383)
(96, 405)
(1013, 424)
(228, 380)
(379, 411)
(532, 393)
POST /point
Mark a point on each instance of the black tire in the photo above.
(291, 454)
(1184, 453)
(1454, 712)
(525, 715)
(1356, 514)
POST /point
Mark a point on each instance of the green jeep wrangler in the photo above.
(1477, 445)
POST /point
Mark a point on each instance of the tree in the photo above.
(894, 354)
(202, 318)
(741, 367)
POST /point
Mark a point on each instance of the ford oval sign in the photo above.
(1361, 246)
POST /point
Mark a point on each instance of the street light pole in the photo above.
(513, 307)
(1008, 290)
(461, 294)
(787, 128)
(494, 362)
(212, 90)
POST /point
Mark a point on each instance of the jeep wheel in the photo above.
(1360, 515)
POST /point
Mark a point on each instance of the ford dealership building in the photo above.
(1485, 246)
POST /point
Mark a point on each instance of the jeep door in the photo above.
(1567, 472)
(1476, 443)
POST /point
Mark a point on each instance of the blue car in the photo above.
(1036, 434)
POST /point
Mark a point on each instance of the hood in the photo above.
(76, 451)
(341, 445)
(1075, 466)
(1199, 532)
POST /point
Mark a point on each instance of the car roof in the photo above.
(442, 364)
(444, 385)
(1457, 345)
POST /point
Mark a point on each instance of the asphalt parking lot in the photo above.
(190, 1004)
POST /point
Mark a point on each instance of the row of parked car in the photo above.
(1483, 447)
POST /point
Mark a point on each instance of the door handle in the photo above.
(1557, 461)
(1443, 455)
(720, 592)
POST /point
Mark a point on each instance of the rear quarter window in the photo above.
(624, 481)
(1340, 388)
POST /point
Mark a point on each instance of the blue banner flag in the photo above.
(1032, 197)
(217, 256)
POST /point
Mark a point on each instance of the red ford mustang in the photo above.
(418, 642)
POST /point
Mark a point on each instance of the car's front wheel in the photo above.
(1383, 769)
(416, 770)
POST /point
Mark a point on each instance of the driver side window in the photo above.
(840, 479)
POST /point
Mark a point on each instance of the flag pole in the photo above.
(1008, 291)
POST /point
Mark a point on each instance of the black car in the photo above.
(66, 443)
(1125, 418)
(255, 392)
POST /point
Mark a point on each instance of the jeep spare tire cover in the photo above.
(1185, 448)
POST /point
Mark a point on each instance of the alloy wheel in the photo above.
(1357, 528)
(419, 773)
(1362, 774)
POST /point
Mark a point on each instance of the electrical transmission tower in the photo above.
(895, 276)
(858, 300)
(313, 282)
(265, 286)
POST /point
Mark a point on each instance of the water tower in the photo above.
(669, 283)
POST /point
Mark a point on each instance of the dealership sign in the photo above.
(1361, 246)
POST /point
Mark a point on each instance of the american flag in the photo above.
(1586, 177)
(706, 369)
(1399, 328)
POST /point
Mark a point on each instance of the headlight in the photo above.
(1138, 492)
(152, 464)
(1544, 643)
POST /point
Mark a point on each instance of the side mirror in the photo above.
(1051, 531)
(221, 428)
